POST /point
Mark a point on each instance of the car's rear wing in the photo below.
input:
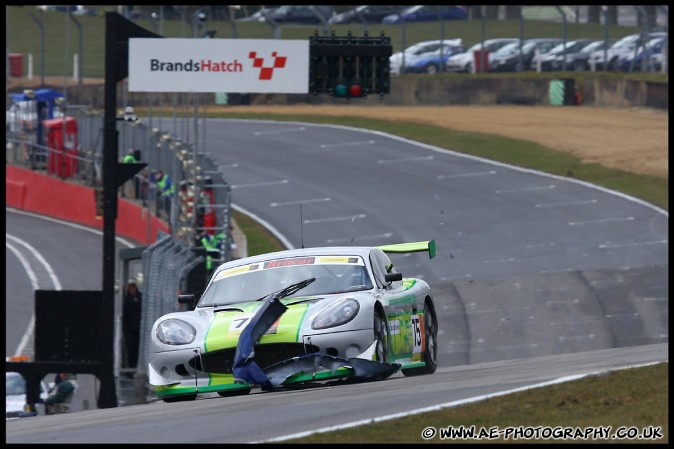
(413, 247)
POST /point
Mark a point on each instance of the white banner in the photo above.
(219, 65)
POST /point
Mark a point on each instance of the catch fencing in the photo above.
(166, 263)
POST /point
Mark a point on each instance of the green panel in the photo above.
(289, 324)
(174, 390)
(556, 92)
(321, 375)
(226, 327)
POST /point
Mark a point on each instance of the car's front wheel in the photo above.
(234, 392)
(431, 69)
(431, 349)
(380, 336)
(181, 398)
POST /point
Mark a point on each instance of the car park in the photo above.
(509, 59)
(427, 13)
(464, 62)
(366, 14)
(297, 316)
(548, 60)
(425, 57)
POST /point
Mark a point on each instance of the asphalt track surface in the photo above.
(533, 273)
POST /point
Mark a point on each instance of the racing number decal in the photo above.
(417, 333)
(238, 323)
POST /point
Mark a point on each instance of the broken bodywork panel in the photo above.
(294, 369)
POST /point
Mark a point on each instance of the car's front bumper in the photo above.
(179, 371)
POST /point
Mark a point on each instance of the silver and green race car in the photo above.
(297, 316)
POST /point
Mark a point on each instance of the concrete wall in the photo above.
(34, 192)
(437, 90)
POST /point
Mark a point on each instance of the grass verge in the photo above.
(631, 400)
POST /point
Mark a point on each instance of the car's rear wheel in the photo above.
(380, 336)
(431, 349)
(579, 66)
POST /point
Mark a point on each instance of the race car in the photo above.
(297, 316)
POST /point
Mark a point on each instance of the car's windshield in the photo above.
(508, 49)
(596, 45)
(570, 47)
(334, 274)
(626, 41)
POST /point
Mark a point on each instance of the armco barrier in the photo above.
(35, 192)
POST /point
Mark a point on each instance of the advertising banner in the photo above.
(219, 65)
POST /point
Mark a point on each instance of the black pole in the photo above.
(118, 30)
(107, 397)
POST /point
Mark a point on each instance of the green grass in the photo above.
(636, 397)
(61, 34)
(258, 239)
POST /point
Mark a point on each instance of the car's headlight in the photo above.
(340, 312)
(176, 332)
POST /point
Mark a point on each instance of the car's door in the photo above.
(400, 307)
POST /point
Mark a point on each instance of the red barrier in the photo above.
(34, 192)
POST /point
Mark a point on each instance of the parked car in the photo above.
(547, 60)
(463, 62)
(15, 391)
(508, 58)
(301, 14)
(366, 14)
(579, 61)
(425, 57)
(427, 13)
(657, 61)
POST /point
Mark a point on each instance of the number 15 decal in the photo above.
(417, 331)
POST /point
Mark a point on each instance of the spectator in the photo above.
(130, 187)
(227, 241)
(211, 243)
(206, 219)
(165, 192)
(131, 314)
(130, 157)
(60, 396)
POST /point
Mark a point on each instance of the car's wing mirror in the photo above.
(186, 299)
